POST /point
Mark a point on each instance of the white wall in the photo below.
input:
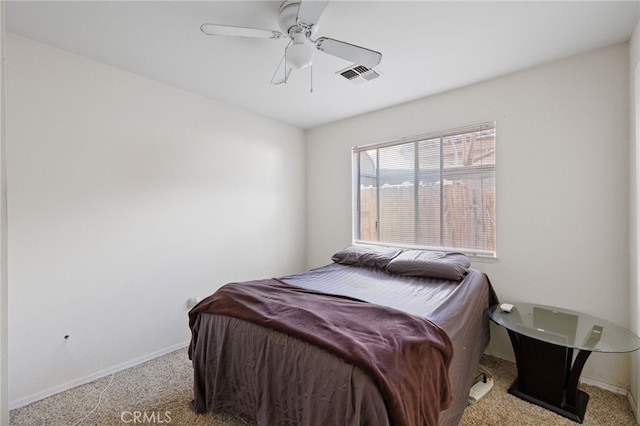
(562, 185)
(4, 341)
(634, 151)
(126, 198)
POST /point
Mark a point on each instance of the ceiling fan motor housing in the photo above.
(288, 19)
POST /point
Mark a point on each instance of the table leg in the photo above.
(547, 377)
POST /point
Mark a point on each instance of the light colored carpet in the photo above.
(500, 408)
(162, 388)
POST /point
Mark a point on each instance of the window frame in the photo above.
(441, 135)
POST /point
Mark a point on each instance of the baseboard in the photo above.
(94, 376)
(634, 406)
(605, 386)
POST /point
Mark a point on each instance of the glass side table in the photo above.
(543, 340)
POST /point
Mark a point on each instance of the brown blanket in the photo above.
(408, 356)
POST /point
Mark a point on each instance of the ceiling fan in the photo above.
(299, 22)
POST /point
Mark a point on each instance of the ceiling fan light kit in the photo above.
(298, 21)
(299, 53)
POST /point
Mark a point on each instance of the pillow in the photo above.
(432, 264)
(368, 256)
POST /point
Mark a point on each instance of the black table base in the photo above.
(547, 376)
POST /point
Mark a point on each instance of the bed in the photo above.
(381, 336)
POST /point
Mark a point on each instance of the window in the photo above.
(432, 191)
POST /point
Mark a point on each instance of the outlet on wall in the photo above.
(193, 301)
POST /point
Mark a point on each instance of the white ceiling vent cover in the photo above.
(358, 74)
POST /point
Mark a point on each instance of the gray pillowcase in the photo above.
(432, 264)
(367, 256)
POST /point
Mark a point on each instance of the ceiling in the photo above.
(428, 47)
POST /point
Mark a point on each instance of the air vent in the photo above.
(358, 74)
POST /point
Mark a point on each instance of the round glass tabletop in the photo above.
(565, 328)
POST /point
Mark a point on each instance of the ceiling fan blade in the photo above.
(356, 54)
(229, 30)
(309, 11)
(283, 71)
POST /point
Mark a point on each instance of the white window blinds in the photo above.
(431, 191)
